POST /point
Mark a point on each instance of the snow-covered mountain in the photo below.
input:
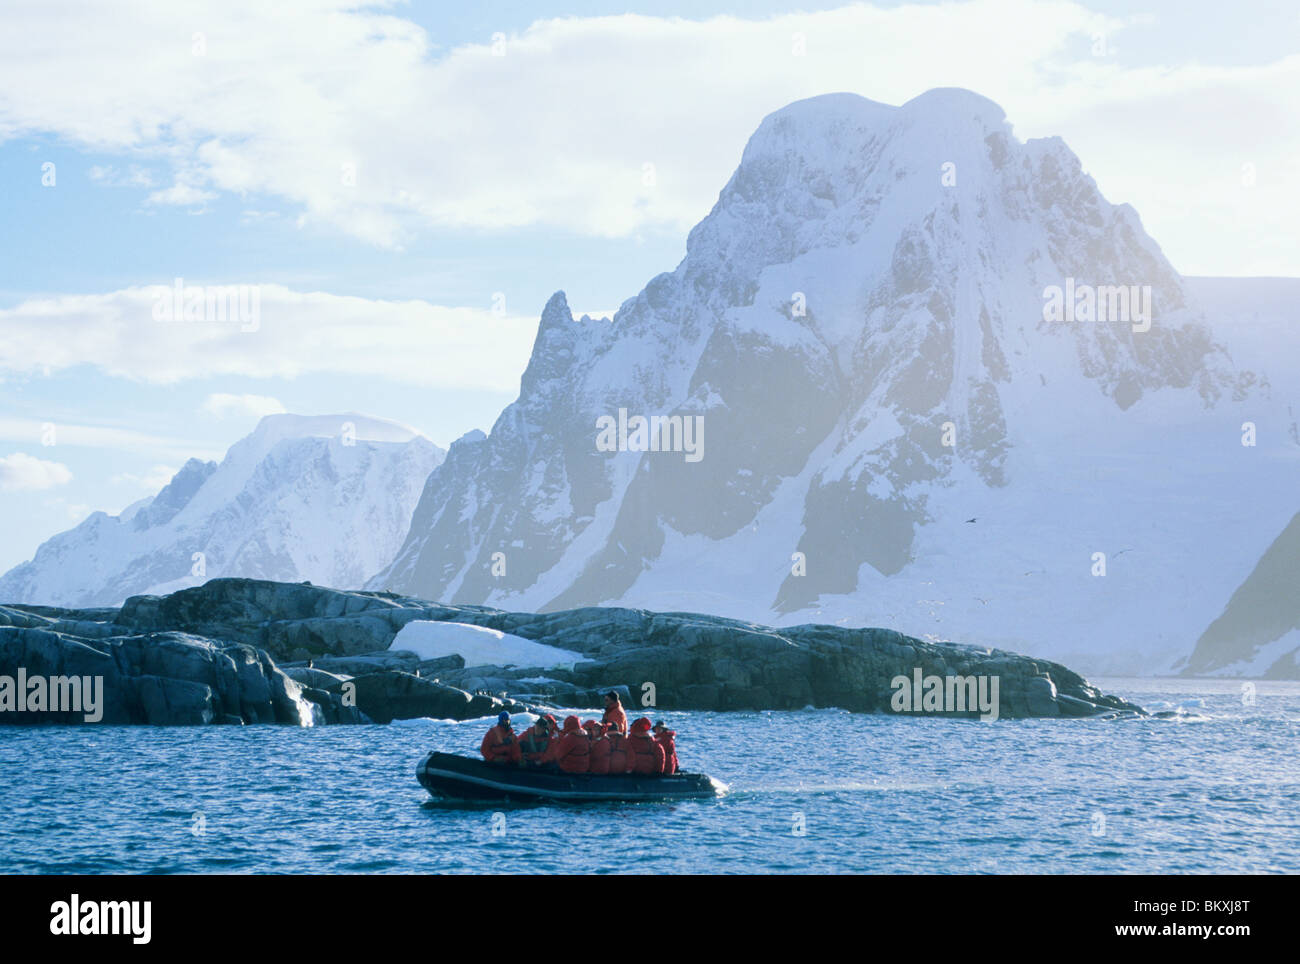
(323, 498)
(894, 428)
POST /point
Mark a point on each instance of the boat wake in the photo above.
(844, 786)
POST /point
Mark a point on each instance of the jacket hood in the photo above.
(641, 726)
(571, 725)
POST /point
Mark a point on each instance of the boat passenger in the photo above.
(500, 745)
(644, 755)
(572, 751)
(552, 727)
(598, 751)
(614, 712)
(617, 749)
(535, 741)
(667, 739)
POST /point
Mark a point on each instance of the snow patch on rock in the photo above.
(479, 646)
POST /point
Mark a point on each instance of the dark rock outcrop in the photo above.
(161, 678)
(178, 678)
(390, 695)
(665, 660)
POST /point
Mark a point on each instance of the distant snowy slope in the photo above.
(325, 498)
(1258, 632)
(1258, 322)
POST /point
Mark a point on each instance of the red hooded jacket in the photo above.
(668, 740)
(598, 750)
(644, 755)
(500, 745)
(572, 750)
(534, 745)
(614, 714)
(617, 751)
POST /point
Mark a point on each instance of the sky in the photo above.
(404, 185)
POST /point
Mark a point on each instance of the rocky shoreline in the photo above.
(255, 651)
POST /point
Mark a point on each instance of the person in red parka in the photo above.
(617, 749)
(500, 745)
(571, 752)
(535, 741)
(598, 751)
(614, 713)
(667, 739)
(644, 755)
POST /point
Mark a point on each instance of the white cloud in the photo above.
(221, 405)
(151, 481)
(21, 472)
(59, 509)
(110, 176)
(57, 433)
(357, 123)
(181, 195)
(295, 333)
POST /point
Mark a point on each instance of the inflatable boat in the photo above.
(464, 778)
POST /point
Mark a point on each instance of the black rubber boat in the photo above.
(448, 775)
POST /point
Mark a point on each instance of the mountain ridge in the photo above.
(324, 498)
(842, 304)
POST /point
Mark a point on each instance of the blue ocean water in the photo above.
(1213, 788)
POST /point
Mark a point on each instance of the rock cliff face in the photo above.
(165, 678)
(330, 639)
